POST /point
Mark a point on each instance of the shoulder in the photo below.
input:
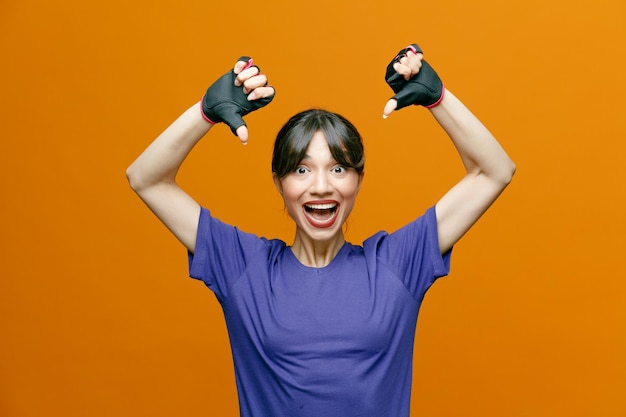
(226, 243)
(218, 229)
(421, 227)
(223, 253)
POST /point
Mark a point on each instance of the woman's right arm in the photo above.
(153, 174)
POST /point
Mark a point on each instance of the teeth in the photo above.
(326, 206)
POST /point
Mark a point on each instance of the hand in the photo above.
(235, 94)
(413, 80)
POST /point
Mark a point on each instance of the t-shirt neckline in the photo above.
(334, 263)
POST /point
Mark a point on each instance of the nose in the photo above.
(321, 184)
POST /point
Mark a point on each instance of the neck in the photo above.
(316, 253)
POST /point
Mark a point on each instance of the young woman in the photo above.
(321, 327)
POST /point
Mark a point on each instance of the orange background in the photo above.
(97, 315)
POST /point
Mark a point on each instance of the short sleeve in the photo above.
(412, 253)
(221, 253)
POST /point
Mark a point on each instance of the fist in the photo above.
(413, 80)
(238, 92)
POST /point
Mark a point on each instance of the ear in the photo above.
(277, 183)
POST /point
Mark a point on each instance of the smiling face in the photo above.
(319, 193)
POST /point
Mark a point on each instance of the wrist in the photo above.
(204, 116)
(436, 103)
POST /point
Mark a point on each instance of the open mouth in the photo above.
(321, 214)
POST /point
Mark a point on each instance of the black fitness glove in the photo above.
(226, 102)
(424, 89)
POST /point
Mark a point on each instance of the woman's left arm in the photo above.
(488, 168)
(488, 171)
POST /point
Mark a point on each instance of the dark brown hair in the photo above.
(292, 141)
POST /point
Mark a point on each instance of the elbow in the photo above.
(507, 172)
(141, 180)
(133, 178)
(499, 175)
(512, 169)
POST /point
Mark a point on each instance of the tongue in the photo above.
(323, 214)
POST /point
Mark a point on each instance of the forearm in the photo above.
(160, 162)
(479, 150)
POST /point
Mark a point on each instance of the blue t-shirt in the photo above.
(335, 341)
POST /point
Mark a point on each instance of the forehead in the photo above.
(318, 147)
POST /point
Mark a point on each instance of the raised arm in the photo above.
(153, 174)
(488, 171)
(488, 168)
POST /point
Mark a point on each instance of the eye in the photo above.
(300, 170)
(339, 169)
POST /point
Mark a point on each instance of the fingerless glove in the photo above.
(424, 89)
(226, 102)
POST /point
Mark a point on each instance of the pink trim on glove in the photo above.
(248, 65)
(443, 91)
(204, 115)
